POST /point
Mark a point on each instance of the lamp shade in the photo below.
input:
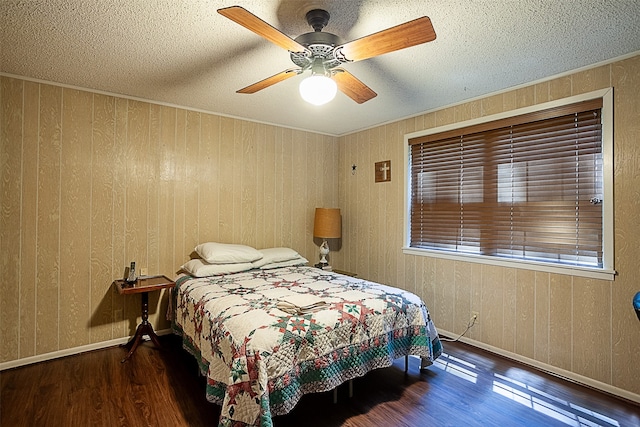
(318, 89)
(327, 223)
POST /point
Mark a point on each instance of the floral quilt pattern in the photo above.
(259, 360)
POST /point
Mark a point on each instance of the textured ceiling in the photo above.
(185, 53)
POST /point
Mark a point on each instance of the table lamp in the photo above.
(326, 225)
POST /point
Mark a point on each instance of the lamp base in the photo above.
(324, 251)
(325, 267)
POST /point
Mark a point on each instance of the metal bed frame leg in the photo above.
(335, 392)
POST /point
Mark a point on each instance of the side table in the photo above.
(346, 273)
(143, 286)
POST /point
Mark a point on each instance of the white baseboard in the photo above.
(553, 370)
(69, 351)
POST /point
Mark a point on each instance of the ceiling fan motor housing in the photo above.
(319, 44)
(318, 19)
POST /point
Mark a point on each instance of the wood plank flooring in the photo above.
(161, 387)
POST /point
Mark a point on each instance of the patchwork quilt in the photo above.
(263, 338)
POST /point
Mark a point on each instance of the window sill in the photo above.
(591, 273)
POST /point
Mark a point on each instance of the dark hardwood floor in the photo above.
(467, 387)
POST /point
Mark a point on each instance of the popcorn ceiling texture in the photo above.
(185, 53)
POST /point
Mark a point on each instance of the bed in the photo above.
(265, 337)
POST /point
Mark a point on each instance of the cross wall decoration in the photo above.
(383, 171)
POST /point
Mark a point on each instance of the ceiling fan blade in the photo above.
(251, 22)
(352, 87)
(401, 36)
(269, 81)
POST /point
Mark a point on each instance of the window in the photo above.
(527, 188)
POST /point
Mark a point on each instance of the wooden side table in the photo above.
(142, 286)
(346, 273)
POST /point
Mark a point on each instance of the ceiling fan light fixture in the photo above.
(318, 89)
(321, 52)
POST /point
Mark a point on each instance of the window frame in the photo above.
(607, 271)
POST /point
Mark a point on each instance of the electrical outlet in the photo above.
(144, 271)
(474, 316)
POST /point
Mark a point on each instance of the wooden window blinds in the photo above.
(525, 187)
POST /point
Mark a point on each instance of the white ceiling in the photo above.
(185, 53)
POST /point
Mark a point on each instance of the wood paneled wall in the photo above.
(90, 182)
(583, 326)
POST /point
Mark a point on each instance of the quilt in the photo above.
(264, 338)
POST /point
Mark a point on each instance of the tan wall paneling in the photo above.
(48, 242)
(166, 186)
(246, 154)
(287, 192)
(267, 188)
(407, 270)
(227, 139)
(444, 273)
(560, 88)
(542, 304)
(381, 238)
(191, 179)
(118, 237)
(299, 150)
(393, 208)
(492, 308)
(525, 313)
(10, 182)
(625, 77)
(181, 248)
(29, 222)
(509, 309)
(209, 172)
(491, 105)
(261, 164)
(156, 306)
(153, 249)
(592, 327)
(468, 111)
(587, 327)
(102, 216)
(560, 321)
(428, 284)
(542, 92)
(91, 182)
(75, 220)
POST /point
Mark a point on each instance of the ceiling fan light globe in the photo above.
(318, 89)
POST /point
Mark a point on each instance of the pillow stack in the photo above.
(224, 258)
(278, 257)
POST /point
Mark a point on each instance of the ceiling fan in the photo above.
(322, 53)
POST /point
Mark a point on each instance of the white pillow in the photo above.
(271, 255)
(199, 268)
(225, 253)
(290, 263)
